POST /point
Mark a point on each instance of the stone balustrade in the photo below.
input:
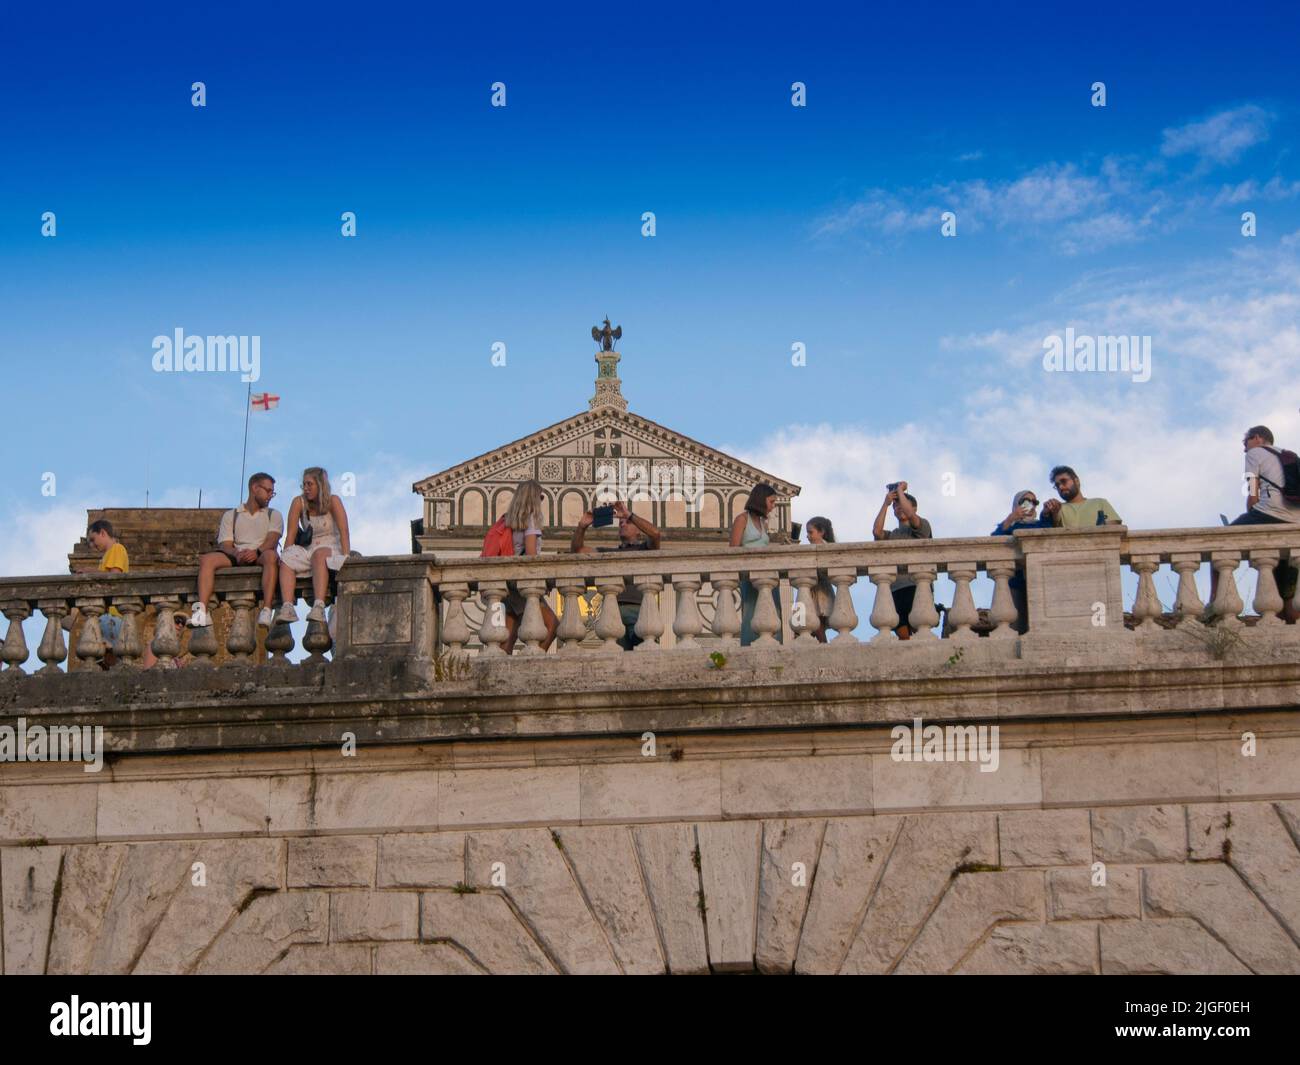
(421, 606)
(160, 594)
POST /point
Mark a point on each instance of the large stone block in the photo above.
(332, 861)
(485, 928)
(786, 875)
(266, 929)
(374, 915)
(1129, 773)
(1068, 948)
(1139, 833)
(972, 905)
(423, 959)
(929, 853)
(508, 797)
(529, 867)
(854, 851)
(1074, 895)
(925, 786)
(183, 809)
(605, 864)
(1270, 773)
(150, 876)
(669, 863)
(356, 801)
(89, 875)
(47, 813)
(28, 876)
(334, 959)
(796, 787)
(1044, 837)
(422, 859)
(729, 853)
(651, 791)
(1178, 946)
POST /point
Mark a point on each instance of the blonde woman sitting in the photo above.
(322, 512)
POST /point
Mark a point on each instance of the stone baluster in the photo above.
(455, 627)
(609, 625)
(649, 622)
(317, 640)
(843, 619)
(492, 632)
(166, 643)
(1227, 603)
(726, 613)
(688, 623)
(1188, 607)
(241, 641)
(884, 617)
(924, 617)
(52, 650)
(1268, 600)
(279, 642)
(129, 646)
(1146, 604)
(14, 650)
(767, 619)
(1002, 611)
(532, 629)
(963, 614)
(203, 642)
(572, 630)
(90, 644)
(804, 619)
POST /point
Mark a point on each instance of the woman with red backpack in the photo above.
(523, 524)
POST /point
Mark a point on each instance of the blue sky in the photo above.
(522, 224)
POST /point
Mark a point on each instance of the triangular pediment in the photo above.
(571, 451)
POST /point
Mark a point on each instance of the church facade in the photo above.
(690, 490)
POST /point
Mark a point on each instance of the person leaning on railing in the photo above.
(750, 530)
(1024, 515)
(820, 531)
(635, 533)
(1077, 511)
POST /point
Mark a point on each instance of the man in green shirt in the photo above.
(1077, 511)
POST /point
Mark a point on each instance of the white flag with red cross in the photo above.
(265, 401)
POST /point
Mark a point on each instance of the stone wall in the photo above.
(811, 852)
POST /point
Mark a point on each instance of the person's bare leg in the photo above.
(320, 575)
(512, 630)
(208, 566)
(287, 580)
(552, 625)
(270, 563)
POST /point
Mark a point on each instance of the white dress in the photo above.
(324, 534)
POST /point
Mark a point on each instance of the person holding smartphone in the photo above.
(911, 526)
(635, 533)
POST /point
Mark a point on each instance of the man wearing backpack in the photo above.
(1272, 483)
(1269, 482)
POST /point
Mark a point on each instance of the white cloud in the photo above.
(39, 538)
(1272, 190)
(1221, 138)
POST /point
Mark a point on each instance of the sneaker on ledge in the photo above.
(317, 611)
(287, 614)
(266, 617)
(199, 617)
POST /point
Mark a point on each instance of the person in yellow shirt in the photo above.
(114, 560)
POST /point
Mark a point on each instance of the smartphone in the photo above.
(796, 528)
(602, 516)
(893, 487)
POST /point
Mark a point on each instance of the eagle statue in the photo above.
(606, 337)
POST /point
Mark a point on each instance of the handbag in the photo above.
(304, 534)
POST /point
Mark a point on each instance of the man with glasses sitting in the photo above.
(249, 535)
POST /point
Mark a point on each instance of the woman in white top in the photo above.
(524, 519)
(323, 512)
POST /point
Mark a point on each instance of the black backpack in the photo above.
(1290, 486)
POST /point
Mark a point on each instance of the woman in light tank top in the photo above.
(750, 530)
(323, 511)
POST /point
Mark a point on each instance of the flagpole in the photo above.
(248, 405)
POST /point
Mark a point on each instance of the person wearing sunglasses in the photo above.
(148, 660)
(249, 535)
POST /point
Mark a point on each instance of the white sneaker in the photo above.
(287, 614)
(266, 617)
(199, 617)
(317, 612)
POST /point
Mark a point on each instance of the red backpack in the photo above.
(500, 540)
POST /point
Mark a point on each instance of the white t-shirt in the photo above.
(249, 530)
(1262, 467)
(532, 530)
